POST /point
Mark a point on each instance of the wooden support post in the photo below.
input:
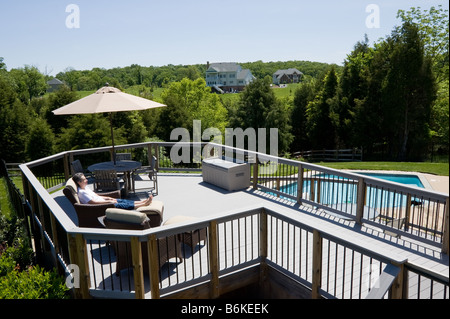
(67, 172)
(317, 265)
(313, 189)
(319, 193)
(300, 184)
(263, 248)
(153, 263)
(55, 239)
(445, 239)
(361, 196)
(214, 260)
(138, 271)
(255, 172)
(408, 211)
(398, 284)
(157, 156)
(78, 256)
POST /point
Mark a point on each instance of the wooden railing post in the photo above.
(361, 196)
(78, 256)
(317, 265)
(445, 238)
(300, 184)
(408, 211)
(214, 260)
(152, 246)
(138, 271)
(157, 156)
(149, 154)
(263, 248)
(399, 284)
(67, 172)
(255, 172)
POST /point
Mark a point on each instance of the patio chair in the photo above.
(396, 223)
(152, 175)
(169, 247)
(123, 156)
(76, 167)
(87, 213)
(107, 180)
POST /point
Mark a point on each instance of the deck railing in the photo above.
(243, 240)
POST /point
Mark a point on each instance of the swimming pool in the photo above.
(338, 190)
(398, 178)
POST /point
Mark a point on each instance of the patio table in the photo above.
(124, 166)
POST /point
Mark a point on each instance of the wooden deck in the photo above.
(188, 195)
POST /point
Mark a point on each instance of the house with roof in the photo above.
(54, 85)
(227, 77)
(290, 75)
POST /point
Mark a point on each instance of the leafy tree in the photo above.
(303, 95)
(189, 100)
(319, 123)
(433, 28)
(88, 131)
(14, 120)
(58, 99)
(30, 83)
(41, 141)
(259, 108)
(352, 92)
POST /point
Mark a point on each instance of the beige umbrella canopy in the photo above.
(108, 99)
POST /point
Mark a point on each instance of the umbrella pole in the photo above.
(112, 138)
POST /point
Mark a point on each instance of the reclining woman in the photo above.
(87, 196)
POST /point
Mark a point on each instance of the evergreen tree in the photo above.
(319, 123)
(259, 108)
(408, 93)
(303, 95)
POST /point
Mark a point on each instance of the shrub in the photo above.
(32, 283)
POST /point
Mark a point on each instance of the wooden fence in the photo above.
(339, 155)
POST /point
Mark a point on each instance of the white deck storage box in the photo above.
(225, 174)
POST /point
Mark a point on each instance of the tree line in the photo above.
(391, 98)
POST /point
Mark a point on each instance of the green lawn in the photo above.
(5, 206)
(441, 169)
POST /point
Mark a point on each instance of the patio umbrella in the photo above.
(108, 99)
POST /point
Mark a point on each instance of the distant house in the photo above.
(287, 76)
(227, 77)
(54, 85)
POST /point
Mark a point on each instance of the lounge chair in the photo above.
(87, 213)
(191, 238)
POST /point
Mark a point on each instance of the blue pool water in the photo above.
(398, 178)
(336, 190)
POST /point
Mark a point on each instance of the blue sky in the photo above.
(146, 32)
